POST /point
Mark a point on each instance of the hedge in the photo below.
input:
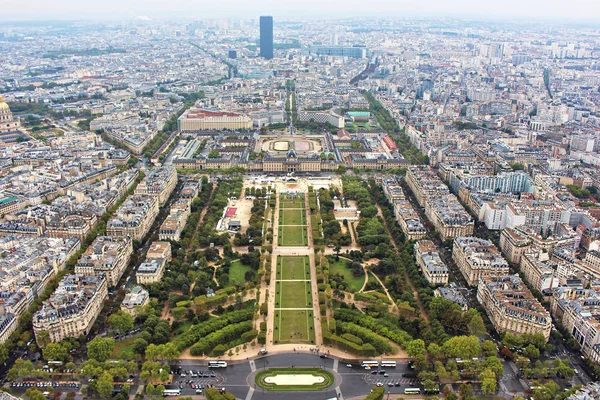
(215, 394)
(366, 350)
(221, 336)
(376, 394)
(380, 343)
(249, 336)
(196, 332)
(378, 325)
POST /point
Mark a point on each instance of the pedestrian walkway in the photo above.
(336, 362)
(250, 393)
(252, 366)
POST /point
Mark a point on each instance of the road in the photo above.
(350, 381)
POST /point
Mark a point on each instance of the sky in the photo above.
(198, 9)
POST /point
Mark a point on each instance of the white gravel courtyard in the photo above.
(299, 379)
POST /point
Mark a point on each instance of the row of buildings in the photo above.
(443, 209)
(72, 309)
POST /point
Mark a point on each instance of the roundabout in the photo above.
(294, 379)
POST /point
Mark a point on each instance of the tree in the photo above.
(466, 392)
(531, 351)
(495, 365)
(150, 389)
(100, 349)
(139, 346)
(42, 338)
(435, 350)
(3, 353)
(34, 394)
(489, 348)
(462, 347)
(55, 352)
(105, 385)
(416, 348)
(121, 321)
(476, 326)
(488, 381)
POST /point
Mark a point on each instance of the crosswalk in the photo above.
(374, 379)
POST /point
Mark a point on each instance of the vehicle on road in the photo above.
(390, 364)
(349, 365)
(412, 391)
(217, 364)
(381, 384)
(370, 363)
(172, 392)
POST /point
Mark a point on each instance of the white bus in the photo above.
(412, 391)
(172, 392)
(389, 364)
(217, 364)
(370, 363)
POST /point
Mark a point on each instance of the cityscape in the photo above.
(268, 205)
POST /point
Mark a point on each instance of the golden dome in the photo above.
(3, 105)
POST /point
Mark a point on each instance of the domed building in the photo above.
(7, 123)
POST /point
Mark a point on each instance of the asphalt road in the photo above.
(355, 380)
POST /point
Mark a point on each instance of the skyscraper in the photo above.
(266, 37)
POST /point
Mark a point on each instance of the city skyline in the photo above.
(587, 10)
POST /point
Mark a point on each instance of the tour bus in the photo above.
(389, 364)
(217, 364)
(172, 392)
(412, 391)
(370, 363)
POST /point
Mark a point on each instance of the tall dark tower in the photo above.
(266, 37)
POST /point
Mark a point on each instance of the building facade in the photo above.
(72, 308)
(477, 258)
(511, 307)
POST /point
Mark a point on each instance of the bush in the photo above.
(219, 350)
(249, 336)
(351, 338)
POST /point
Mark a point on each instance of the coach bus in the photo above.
(217, 364)
(412, 391)
(389, 364)
(370, 363)
(172, 392)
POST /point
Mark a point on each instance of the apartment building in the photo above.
(511, 307)
(108, 256)
(72, 308)
(134, 218)
(428, 258)
(322, 117)
(581, 319)
(159, 182)
(477, 258)
(173, 225)
(513, 244)
(137, 297)
(150, 271)
(8, 324)
(198, 119)
(409, 220)
(539, 271)
(424, 183)
(449, 217)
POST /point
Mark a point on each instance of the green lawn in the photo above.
(293, 294)
(293, 268)
(297, 202)
(292, 217)
(292, 236)
(294, 326)
(237, 270)
(123, 350)
(342, 267)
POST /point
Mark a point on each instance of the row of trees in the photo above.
(370, 228)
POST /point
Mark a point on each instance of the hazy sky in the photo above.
(115, 9)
